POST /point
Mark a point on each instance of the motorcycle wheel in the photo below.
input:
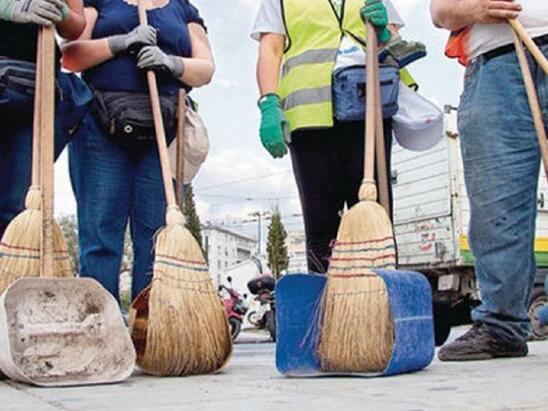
(271, 324)
(253, 318)
(235, 327)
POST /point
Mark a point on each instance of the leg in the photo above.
(317, 175)
(102, 179)
(352, 140)
(15, 154)
(16, 112)
(147, 216)
(501, 162)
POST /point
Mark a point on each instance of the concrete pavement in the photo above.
(251, 382)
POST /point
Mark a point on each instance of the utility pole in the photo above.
(259, 215)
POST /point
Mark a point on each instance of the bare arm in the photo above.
(271, 50)
(199, 68)
(457, 14)
(85, 53)
(73, 25)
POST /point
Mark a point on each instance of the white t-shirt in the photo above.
(487, 37)
(270, 20)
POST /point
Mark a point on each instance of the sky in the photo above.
(239, 177)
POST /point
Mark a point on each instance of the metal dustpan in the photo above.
(298, 299)
(59, 331)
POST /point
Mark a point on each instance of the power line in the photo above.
(243, 180)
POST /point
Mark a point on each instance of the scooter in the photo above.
(235, 307)
(265, 317)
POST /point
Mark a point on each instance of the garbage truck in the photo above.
(431, 216)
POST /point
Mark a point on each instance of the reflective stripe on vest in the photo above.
(314, 33)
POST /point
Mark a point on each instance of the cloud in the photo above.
(406, 7)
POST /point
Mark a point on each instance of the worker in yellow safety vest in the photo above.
(304, 46)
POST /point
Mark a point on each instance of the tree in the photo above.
(278, 260)
(69, 227)
(191, 215)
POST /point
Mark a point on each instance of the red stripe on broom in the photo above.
(381, 257)
(13, 247)
(363, 242)
(181, 260)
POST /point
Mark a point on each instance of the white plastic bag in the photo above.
(196, 146)
(418, 124)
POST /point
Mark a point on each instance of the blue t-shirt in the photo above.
(118, 17)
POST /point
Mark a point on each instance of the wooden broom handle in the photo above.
(35, 181)
(47, 132)
(382, 175)
(180, 168)
(535, 51)
(158, 123)
(533, 100)
(370, 115)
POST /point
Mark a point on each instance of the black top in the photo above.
(18, 40)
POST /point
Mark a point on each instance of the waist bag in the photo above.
(18, 76)
(349, 85)
(127, 118)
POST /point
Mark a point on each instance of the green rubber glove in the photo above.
(274, 126)
(375, 12)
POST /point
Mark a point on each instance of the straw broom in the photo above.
(20, 245)
(521, 33)
(532, 96)
(356, 332)
(187, 330)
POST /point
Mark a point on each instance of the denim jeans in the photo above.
(501, 162)
(16, 112)
(112, 189)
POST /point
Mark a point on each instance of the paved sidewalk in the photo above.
(250, 382)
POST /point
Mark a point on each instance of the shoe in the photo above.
(479, 344)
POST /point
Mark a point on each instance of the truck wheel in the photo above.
(271, 324)
(442, 323)
(539, 299)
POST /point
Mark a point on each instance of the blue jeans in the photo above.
(16, 112)
(111, 190)
(501, 162)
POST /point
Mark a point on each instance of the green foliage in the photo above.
(191, 215)
(69, 226)
(276, 249)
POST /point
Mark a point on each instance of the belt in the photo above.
(540, 41)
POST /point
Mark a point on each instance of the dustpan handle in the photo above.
(533, 100)
(159, 123)
(368, 189)
(35, 181)
(47, 130)
(382, 175)
(180, 168)
(520, 31)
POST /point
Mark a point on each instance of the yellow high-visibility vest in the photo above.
(314, 30)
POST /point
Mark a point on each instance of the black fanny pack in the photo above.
(127, 118)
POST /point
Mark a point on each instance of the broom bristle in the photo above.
(20, 246)
(356, 333)
(187, 330)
